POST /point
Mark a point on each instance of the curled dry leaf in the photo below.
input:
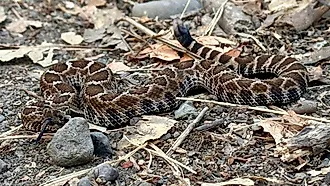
(72, 38)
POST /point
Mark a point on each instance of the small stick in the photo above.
(186, 132)
(9, 132)
(215, 20)
(255, 40)
(185, 8)
(254, 108)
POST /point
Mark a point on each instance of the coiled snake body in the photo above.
(89, 87)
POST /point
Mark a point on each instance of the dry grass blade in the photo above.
(65, 177)
(215, 20)
(254, 108)
(9, 132)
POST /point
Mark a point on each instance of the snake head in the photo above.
(36, 113)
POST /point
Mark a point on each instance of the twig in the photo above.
(65, 177)
(32, 94)
(215, 20)
(9, 132)
(24, 137)
(254, 108)
(163, 155)
(255, 40)
(186, 132)
(161, 39)
(185, 8)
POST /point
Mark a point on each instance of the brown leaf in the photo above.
(164, 52)
(127, 164)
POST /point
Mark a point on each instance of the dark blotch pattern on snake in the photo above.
(89, 88)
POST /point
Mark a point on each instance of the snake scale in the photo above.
(90, 88)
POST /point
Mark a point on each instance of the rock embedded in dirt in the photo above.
(103, 173)
(2, 118)
(85, 182)
(153, 9)
(185, 110)
(72, 144)
(3, 166)
(102, 147)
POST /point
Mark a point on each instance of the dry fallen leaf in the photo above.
(91, 35)
(274, 128)
(72, 38)
(21, 25)
(35, 53)
(164, 52)
(7, 55)
(118, 66)
(148, 128)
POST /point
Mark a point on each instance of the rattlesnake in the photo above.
(89, 87)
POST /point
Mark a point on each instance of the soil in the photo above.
(217, 154)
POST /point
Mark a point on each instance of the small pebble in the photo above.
(102, 146)
(85, 182)
(2, 118)
(103, 173)
(185, 110)
(3, 166)
(72, 144)
(176, 134)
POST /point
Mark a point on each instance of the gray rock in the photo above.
(72, 144)
(185, 110)
(3, 166)
(153, 9)
(102, 147)
(103, 173)
(2, 118)
(85, 182)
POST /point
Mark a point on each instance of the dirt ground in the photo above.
(217, 154)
